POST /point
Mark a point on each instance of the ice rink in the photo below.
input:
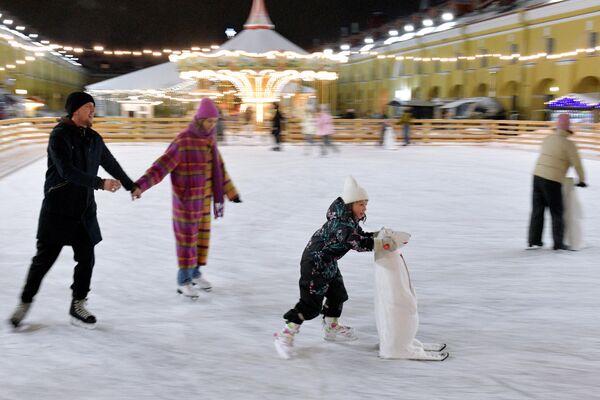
(519, 324)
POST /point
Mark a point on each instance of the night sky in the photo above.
(131, 25)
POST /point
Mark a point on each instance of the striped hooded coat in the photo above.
(197, 176)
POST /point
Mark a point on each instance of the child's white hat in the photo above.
(353, 192)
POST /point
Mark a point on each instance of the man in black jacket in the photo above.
(68, 215)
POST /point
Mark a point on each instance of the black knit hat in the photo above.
(76, 100)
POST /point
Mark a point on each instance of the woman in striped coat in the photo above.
(198, 176)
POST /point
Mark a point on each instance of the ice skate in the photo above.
(202, 283)
(284, 340)
(188, 290)
(19, 314)
(80, 316)
(534, 246)
(336, 332)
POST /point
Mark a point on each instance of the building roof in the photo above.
(158, 77)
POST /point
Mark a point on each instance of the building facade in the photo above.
(524, 58)
(37, 74)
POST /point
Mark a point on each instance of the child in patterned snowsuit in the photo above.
(197, 175)
(320, 277)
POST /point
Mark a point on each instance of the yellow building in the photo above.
(30, 72)
(523, 58)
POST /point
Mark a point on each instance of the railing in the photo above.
(17, 132)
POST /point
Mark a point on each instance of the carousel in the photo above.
(259, 63)
(255, 68)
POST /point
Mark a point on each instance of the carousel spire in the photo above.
(259, 17)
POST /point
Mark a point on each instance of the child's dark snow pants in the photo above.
(314, 288)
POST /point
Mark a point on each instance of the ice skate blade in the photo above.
(180, 293)
(81, 324)
(433, 356)
(205, 289)
(434, 346)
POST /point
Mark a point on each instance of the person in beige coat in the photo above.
(557, 154)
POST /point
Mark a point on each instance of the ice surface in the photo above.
(518, 324)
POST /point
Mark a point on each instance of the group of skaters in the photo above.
(200, 186)
(317, 126)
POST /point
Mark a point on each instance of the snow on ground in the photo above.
(519, 324)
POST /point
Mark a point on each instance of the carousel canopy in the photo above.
(578, 101)
(258, 35)
(260, 41)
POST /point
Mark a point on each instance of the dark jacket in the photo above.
(74, 155)
(277, 120)
(340, 234)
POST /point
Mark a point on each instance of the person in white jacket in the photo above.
(557, 155)
(309, 129)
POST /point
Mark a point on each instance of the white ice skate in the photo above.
(188, 290)
(336, 332)
(284, 340)
(202, 283)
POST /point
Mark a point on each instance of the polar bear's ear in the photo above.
(384, 232)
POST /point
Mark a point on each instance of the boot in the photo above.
(336, 332)
(188, 290)
(284, 340)
(19, 314)
(202, 283)
(80, 315)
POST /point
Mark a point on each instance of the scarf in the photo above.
(217, 170)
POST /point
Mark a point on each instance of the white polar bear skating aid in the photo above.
(573, 235)
(389, 138)
(396, 314)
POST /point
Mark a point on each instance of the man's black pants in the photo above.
(44, 259)
(546, 193)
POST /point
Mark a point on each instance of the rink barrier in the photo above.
(24, 131)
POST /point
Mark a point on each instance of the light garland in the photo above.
(325, 55)
(37, 49)
(518, 57)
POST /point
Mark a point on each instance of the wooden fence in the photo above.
(18, 132)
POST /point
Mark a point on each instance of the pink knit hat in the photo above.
(563, 122)
(207, 109)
